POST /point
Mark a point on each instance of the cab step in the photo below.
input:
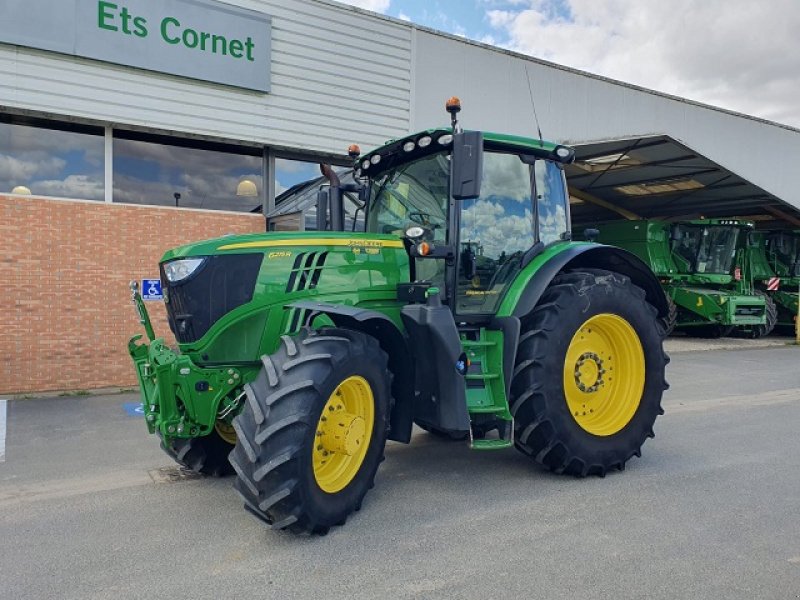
(490, 444)
(504, 439)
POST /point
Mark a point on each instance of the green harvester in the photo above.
(703, 267)
(774, 262)
(464, 307)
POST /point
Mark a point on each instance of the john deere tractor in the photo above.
(775, 266)
(463, 307)
(702, 265)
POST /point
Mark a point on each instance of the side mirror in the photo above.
(467, 165)
(675, 234)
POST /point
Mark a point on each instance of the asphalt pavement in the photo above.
(91, 508)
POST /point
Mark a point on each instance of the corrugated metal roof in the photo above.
(659, 177)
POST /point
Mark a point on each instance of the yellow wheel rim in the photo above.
(226, 432)
(604, 373)
(343, 434)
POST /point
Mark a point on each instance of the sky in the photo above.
(737, 54)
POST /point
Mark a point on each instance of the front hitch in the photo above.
(141, 309)
(180, 399)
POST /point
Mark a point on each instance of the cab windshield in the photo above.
(707, 249)
(415, 193)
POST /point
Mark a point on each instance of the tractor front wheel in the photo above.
(589, 374)
(313, 430)
(207, 455)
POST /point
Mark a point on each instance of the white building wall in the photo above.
(338, 76)
(575, 108)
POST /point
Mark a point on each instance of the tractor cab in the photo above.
(472, 208)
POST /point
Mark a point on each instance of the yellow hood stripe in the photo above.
(355, 243)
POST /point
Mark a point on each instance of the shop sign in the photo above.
(200, 39)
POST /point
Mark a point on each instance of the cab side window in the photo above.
(496, 231)
(551, 198)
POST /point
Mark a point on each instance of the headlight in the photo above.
(178, 270)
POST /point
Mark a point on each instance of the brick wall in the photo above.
(65, 266)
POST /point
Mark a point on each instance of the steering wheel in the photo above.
(420, 218)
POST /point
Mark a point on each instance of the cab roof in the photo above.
(435, 140)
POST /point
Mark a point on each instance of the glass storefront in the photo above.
(56, 159)
(49, 161)
(162, 174)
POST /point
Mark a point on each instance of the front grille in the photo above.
(221, 284)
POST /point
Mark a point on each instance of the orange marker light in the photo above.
(354, 151)
(424, 249)
(453, 105)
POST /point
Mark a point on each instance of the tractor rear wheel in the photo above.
(589, 374)
(754, 332)
(207, 455)
(313, 430)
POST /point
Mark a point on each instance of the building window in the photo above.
(170, 172)
(47, 159)
(289, 173)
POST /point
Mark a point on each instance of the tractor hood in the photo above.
(262, 242)
(230, 290)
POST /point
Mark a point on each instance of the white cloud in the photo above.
(22, 170)
(379, 6)
(83, 187)
(736, 54)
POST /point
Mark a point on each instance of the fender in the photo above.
(392, 341)
(538, 275)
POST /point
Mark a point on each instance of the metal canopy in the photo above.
(658, 177)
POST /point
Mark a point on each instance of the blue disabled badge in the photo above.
(151, 289)
(133, 409)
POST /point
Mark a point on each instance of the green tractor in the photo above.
(464, 307)
(703, 268)
(774, 261)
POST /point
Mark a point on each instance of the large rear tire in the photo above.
(207, 455)
(589, 374)
(313, 430)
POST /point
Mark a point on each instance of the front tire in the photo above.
(589, 374)
(207, 455)
(313, 430)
